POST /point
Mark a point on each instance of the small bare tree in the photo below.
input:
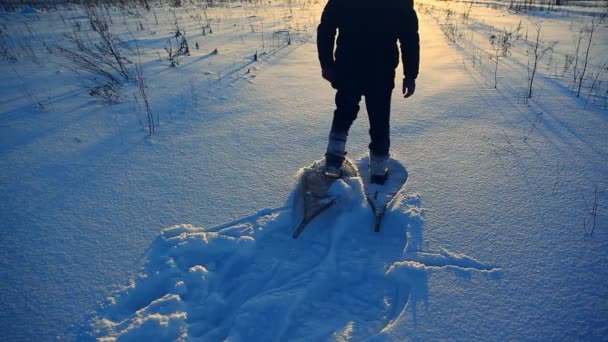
(590, 30)
(578, 40)
(466, 14)
(496, 58)
(538, 51)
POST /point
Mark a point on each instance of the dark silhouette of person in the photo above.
(362, 62)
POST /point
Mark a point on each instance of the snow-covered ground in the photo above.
(500, 234)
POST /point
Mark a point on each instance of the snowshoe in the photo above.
(312, 197)
(381, 188)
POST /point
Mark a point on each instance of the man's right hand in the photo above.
(409, 86)
(329, 74)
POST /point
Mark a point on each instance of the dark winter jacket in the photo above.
(366, 53)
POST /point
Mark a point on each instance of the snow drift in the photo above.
(249, 280)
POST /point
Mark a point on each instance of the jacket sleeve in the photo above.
(410, 42)
(326, 34)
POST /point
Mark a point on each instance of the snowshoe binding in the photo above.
(378, 169)
(333, 165)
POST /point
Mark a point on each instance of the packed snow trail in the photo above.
(250, 281)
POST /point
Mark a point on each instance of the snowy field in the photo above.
(110, 232)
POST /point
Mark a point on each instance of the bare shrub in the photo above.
(597, 87)
(281, 37)
(139, 77)
(99, 59)
(5, 50)
(502, 43)
(591, 208)
(181, 48)
(182, 43)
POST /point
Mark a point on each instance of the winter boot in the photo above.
(334, 157)
(378, 168)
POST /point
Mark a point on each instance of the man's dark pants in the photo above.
(378, 104)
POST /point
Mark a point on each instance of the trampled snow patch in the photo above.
(249, 280)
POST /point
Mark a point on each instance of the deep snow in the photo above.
(490, 241)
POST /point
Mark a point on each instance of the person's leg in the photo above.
(347, 108)
(378, 103)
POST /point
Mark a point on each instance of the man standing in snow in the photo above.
(364, 63)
